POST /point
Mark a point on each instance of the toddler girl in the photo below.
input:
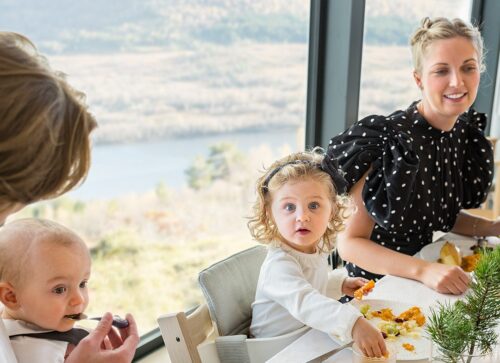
(298, 212)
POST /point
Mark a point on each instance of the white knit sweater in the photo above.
(297, 289)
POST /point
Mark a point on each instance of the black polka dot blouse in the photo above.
(421, 177)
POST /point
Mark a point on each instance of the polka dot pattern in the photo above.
(421, 176)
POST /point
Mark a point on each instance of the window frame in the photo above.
(484, 13)
(334, 74)
(335, 55)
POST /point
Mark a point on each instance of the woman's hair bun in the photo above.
(426, 23)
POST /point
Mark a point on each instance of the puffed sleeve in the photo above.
(478, 162)
(373, 142)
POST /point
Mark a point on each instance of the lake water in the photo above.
(134, 168)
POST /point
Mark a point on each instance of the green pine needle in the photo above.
(468, 326)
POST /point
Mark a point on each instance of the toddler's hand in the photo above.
(368, 339)
(351, 284)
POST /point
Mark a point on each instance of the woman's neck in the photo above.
(437, 121)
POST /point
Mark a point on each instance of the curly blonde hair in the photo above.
(296, 167)
(44, 127)
(431, 30)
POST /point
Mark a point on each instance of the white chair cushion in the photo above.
(229, 288)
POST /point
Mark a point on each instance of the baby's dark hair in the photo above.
(296, 167)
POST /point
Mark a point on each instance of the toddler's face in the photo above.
(55, 286)
(301, 211)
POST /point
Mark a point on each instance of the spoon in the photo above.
(118, 322)
(328, 354)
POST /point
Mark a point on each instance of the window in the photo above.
(192, 99)
(386, 76)
(495, 117)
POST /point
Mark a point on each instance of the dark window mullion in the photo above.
(485, 14)
(336, 41)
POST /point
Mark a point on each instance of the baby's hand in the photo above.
(351, 284)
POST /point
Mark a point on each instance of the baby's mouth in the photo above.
(79, 316)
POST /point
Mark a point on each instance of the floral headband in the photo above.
(331, 167)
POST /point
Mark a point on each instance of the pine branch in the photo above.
(470, 324)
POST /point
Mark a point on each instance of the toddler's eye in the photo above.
(83, 284)
(289, 207)
(59, 290)
(313, 205)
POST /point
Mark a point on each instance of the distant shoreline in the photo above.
(105, 141)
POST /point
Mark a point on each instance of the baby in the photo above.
(299, 209)
(44, 269)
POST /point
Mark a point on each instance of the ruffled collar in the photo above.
(419, 120)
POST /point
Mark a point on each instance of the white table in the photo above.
(315, 342)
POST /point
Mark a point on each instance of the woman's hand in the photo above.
(368, 338)
(105, 345)
(445, 279)
(351, 284)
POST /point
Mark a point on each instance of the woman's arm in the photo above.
(354, 245)
(470, 225)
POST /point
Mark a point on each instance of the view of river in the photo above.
(119, 169)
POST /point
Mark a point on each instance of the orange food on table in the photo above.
(366, 288)
(413, 313)
(384, 314)
(451, 255)
(469, 262)
(409, 347)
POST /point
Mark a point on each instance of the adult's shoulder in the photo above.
(478, 158)
(383, 145)
(474, 120)
(370, 140)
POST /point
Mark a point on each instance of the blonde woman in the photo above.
(298, 212)
(44, 152)
(413, 172)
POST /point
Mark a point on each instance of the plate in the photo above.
(431, 251)
(421, 344)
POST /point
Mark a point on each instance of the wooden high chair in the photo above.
(218, 330)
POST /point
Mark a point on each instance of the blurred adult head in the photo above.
(44, 128)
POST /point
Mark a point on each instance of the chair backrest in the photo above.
(182, 334)
(229, 289)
